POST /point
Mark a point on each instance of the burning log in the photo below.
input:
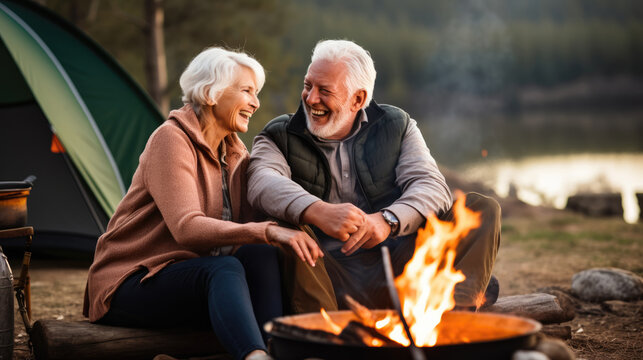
(361, 311)
(305, 333)
(354, 333)
(546, 308)
(358, 333)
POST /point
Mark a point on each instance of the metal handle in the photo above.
(416, 352)
(30, 179)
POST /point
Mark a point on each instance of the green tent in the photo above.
(70, 115)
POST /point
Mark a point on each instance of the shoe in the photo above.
(491, 294)
(164, 357)
(261, 356)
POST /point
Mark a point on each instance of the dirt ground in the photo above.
(540, 248)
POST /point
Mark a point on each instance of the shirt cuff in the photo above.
(296, 208)
(410, 219)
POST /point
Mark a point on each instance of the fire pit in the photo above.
(464, 335)
(422, 297)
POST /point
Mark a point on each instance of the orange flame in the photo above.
(427, 284)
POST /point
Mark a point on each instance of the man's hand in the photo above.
(303, 245)
(373, 232)
(336, 220)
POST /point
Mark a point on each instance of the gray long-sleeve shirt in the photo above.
(424, 189)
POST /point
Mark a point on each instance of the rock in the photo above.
(620, 308)
(603, 284)
(596, 204)
(555, 349)
(529, 355)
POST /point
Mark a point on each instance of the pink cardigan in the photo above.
(172, 210)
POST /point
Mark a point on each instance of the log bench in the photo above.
(58, 340)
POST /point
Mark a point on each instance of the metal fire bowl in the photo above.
(490, 336)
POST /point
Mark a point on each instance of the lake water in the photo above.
(546, 156)
(550, 180)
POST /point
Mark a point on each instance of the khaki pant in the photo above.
(307, 288)
(476, 253)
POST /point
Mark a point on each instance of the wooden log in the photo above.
(563, 332)
(281, 328)
(360, 334)
(54, 340)
(546, 308)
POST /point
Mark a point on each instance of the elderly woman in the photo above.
(180, 249)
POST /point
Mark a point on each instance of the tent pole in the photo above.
(80, 186)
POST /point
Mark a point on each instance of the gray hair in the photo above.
(361, 70)
(212, 71)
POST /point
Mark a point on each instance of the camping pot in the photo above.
(13, 202)
(6, 308)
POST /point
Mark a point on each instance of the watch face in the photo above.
(389, 216)
(392, 221)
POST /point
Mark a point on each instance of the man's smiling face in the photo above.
(327, 101)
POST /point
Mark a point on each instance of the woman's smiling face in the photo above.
(238, 102)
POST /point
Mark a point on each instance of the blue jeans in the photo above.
(223, 292)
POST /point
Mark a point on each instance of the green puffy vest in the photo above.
(376, 150)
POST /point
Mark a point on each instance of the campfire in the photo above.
(425, 290)
(425, 287)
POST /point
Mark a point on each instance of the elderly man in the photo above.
(360, 174)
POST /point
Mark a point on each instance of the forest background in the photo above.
(432, 57)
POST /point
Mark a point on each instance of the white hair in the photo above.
(214, 70)
(361, 70)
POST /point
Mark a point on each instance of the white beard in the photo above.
(335, 124)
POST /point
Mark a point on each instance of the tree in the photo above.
(155, 60)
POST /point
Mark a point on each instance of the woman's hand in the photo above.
(303, 245)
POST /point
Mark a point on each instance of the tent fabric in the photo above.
(98, 112)
(63, 106)
(56, 205)
(82, 91)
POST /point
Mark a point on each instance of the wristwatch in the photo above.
(392, 221)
